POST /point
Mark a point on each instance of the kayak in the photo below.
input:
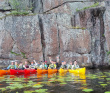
(62, 70)
(79, 70)
(42, 71)
(20, 72)
(50, 71)
(4, 72)
(30, 71)
(16, 72)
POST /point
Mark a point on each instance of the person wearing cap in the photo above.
(52, 65)
(21, 66)
(63, 66)
(26, 65)
(75, 66)
(43, 66)
(12, 66)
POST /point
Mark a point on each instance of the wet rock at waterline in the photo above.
(64, 29)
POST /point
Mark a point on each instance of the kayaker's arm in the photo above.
(15, 67)
(24, 66)
(55, 66)
(8, 67)
(34, 61)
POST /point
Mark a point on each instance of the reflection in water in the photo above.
(79, 78)
(96, 80)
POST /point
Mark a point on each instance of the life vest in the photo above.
(63, 66)
(12, 67)
(69, 67)
(32, 66)
(74, 67)
(52, 66)
(20, 67)
(43, 66)
(16, 66)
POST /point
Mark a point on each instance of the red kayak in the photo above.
(16, 72)
(20, 72)
(30, 71)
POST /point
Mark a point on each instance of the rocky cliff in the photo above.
(71, 29)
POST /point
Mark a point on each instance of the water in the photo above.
(94, 81)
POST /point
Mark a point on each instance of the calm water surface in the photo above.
(96, 81)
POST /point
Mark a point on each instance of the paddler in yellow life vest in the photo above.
(12, 66)
(32, 66)
(52, 65)
(63, 66)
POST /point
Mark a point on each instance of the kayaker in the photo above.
(32, 66)
(16, 65)
(43, 66)
(63, 65)
(37, 64)
(46, 64)
(57, 63)
(21, 66)
(12, 66)
(26, 65)
(52, 65)
(70, 65)
(75, 66)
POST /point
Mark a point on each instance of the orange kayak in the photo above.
(50, 71)
(42, 71)
(4, 72)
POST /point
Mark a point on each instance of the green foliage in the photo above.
(19, 13)
(83, 28)
(15, 53)
(103, 85)
(107, 92)
(76, 27)
(15, 4)
(22, 54)
(103, 35)
(87, 90)
(108, 53)
(20, 7)
(94, 5)
(41, 90)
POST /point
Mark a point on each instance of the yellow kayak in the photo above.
(78, 70)
(62, 70)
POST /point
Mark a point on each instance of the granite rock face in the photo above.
(59, 30)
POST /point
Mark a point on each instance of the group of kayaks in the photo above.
(41, 71)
